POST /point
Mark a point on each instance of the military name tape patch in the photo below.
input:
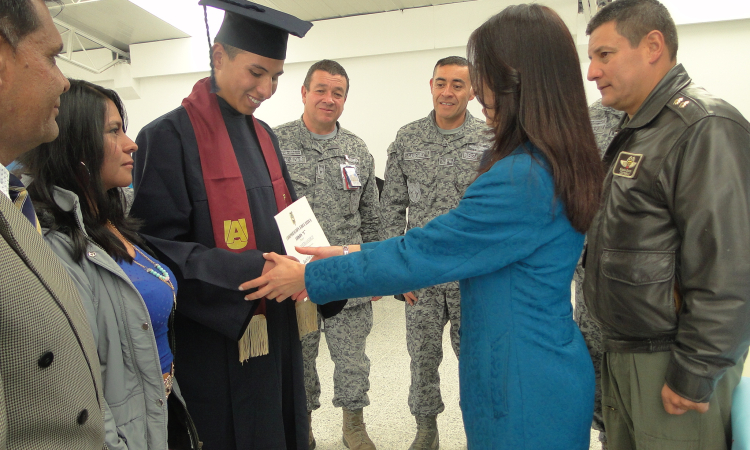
(471, 156)
(627, 164)
(291, 152)
(411, 156)
(295, 159)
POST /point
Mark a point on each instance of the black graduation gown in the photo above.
(258, 405)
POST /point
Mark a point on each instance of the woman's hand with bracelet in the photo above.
(327, 252)
(287, 277)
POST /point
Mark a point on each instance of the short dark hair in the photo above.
(231, 52)
(450, 61)
(634, 19)
(526, 56)
(18, 19)
(326, 65)
(73, 162)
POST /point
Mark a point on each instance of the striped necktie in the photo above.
(20, 197)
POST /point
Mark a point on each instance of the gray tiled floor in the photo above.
(389, 422)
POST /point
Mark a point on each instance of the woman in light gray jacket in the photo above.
(127, 294)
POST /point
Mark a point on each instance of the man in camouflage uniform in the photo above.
(317, 151)
(604, 121)
(430, 165)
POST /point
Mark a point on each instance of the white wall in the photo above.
(389, 59)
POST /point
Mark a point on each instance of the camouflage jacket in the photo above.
(346, 216)
(428, 172)
(605, 121)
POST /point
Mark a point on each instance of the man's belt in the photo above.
(641, 346)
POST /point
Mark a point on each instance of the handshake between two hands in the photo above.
(284, 276)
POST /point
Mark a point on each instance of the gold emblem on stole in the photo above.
(235, 233)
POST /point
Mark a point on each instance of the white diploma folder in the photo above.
(299, 227)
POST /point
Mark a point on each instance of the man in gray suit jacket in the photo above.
(49, 370)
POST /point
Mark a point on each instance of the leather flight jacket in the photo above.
(668, 258)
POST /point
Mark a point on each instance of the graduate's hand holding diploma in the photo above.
(287, 278)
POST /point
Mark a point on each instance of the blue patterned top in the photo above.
(158, 298)
(513, 250)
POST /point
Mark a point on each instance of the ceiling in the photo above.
(118, 23)
(330, 9)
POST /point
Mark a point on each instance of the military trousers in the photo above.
(592, 335)
(425, 322)
(346, 336)
(634, 415)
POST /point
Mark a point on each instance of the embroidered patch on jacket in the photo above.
(295, 159)
(321, 172)
(411, 156)
(478, 148)
(291, 152)
(415, 191)
(471, 155)
(627, 164)
(446, 161)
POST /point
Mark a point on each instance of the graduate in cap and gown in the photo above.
(209, 178)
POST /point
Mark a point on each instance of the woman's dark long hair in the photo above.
(73, 161)
(526, 57)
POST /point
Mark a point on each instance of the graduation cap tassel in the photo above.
(208, 35)
(214, 87)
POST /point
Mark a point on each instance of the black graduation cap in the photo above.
(255, 28)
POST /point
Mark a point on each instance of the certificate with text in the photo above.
(299, 227)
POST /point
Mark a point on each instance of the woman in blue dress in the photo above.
(526, 378)
(128, 296)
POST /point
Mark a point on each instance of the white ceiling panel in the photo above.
(331, 9)
(118, 23)
(124, 22)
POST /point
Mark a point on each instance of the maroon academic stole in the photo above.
(227, 197)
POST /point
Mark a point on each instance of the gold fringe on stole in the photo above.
(307, 317)
(255, 340)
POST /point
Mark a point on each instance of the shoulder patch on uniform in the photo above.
(422, 154)
(627, 164)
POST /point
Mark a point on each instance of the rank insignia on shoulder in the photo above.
(627, 164)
